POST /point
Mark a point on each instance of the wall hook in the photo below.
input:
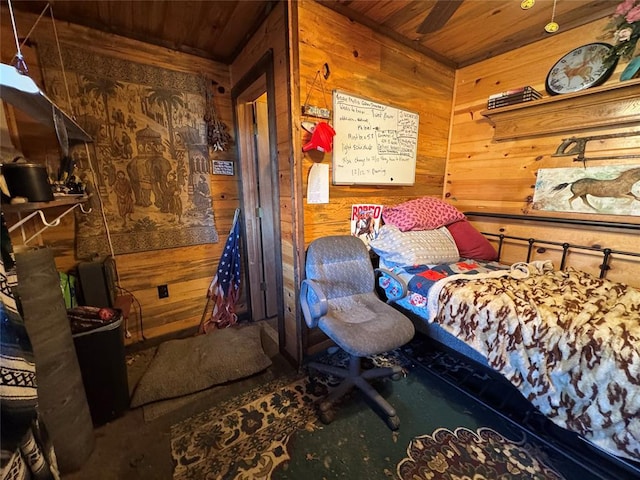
(47, 224)
(325, 71)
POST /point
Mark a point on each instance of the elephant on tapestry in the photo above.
(159, 168)
(148, 175)
(140, 177)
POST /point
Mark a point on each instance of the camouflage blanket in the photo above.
(570, 342)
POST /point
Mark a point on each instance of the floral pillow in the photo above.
(470, 242)
(426, 213)
(420, 247)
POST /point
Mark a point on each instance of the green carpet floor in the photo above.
(358, 444)
(273, 432)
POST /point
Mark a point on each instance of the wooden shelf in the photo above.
(61, 201)
(70, 202)
(599, 107)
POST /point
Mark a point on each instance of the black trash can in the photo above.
(99, 341)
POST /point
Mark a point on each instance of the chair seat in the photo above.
(362, 325)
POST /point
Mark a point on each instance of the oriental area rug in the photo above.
(273, 432)
(147, 171)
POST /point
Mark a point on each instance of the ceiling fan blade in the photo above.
(439, 15)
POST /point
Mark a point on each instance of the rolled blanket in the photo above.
(61, 396)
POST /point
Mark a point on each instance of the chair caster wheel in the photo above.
(327, 416)
(367, 364)
(396, 376)
(393, 422)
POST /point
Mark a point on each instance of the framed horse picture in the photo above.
(609, 190)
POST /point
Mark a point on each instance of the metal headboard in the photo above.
(566, 247)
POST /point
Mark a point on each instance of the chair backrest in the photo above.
(341, 265)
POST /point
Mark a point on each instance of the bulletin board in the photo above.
(375, 144)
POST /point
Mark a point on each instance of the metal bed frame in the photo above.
(602, 463)
(566, 247)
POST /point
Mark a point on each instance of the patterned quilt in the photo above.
(569, 341)
(420, 278)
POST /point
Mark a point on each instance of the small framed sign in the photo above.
(223, 167)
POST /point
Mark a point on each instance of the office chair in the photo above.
(338, 297)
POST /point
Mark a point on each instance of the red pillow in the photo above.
(470, 242)
(426, 213)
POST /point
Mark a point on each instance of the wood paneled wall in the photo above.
(372, 66)
(187, 271)
(366, 64)
(272, 35)
(456, 151)
(363, 63)
(499, 176)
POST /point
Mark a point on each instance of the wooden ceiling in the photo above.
(478, 29)
(213, 29)
(217, 30)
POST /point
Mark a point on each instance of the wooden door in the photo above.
(259, 198)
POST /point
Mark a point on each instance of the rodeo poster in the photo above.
(365, 221)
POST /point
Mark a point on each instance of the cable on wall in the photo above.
(64, 75)
(18, 59)
(110, 242)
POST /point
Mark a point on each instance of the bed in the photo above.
(567, 339)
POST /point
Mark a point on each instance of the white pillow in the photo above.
(416, 247)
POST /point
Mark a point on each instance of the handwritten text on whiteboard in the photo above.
(374, 143)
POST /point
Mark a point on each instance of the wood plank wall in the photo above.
(369, 65)
(481, 174)
(499, 176)
(187, 271)
(363, 63)
(372, 66)
(272, 35)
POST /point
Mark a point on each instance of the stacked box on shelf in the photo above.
(512, 97)
(511, 100)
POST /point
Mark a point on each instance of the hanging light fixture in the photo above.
(552, 26)
(527, 4)
(19, 89)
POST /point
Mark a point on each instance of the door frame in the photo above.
(264, 67)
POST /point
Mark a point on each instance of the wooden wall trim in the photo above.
(274, 33)
(293, 55)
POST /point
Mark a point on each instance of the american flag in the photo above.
(225, 286)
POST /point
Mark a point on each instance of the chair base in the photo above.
(354, 376)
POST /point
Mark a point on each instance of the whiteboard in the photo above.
(374, 144)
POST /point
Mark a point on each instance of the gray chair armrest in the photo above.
(313, 302)
(402, 285)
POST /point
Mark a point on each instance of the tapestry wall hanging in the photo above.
(150, 160)
(610, 190)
